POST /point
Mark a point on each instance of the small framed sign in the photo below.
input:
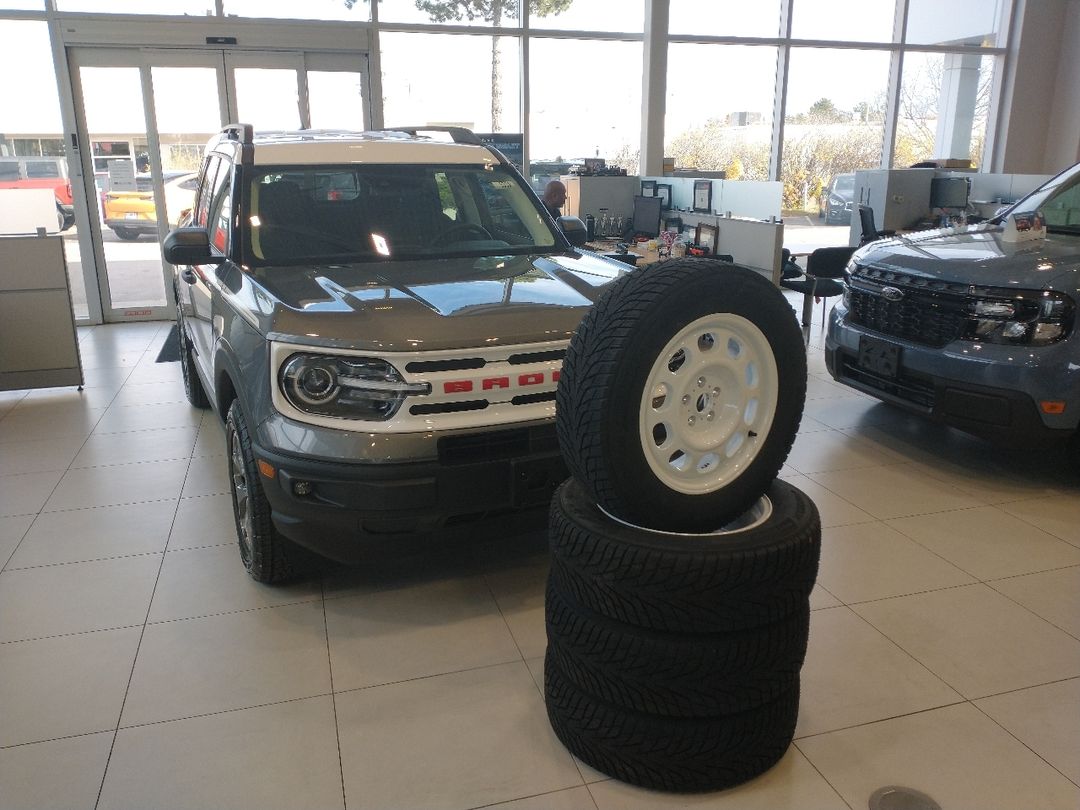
(706, 237)
(648, 188)
(703, 196)
(663, 191)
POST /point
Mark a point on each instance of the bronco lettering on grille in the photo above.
(491, 383)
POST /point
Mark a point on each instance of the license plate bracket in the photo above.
(879, 357)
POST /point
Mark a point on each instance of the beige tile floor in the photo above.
(141, 668)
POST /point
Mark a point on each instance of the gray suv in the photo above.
(380, 319)
(970, 329)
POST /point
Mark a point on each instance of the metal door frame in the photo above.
(224, 60)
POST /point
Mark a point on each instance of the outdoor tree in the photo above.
(492, 12)
(920, 95)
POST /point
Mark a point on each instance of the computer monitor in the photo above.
(647, 216)
(949, 192)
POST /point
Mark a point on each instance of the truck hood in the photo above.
(977, 255)
(434, 305)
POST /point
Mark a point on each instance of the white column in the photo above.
(956, 105)
(654, 88)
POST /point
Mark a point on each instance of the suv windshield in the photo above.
(1059, 200)
(378, 212)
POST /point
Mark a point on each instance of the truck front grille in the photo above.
(929, 312)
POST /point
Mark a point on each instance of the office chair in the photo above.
(823, 267)
(789, 268)
(869, 229)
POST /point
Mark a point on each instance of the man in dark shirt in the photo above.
(554, 197)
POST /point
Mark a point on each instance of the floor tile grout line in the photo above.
(44, 503)
(835, 789)
(877, 720)
(1024, 607)
(56, 739)
(138, 647)
(543, 697)
(1008, 731)
(494, 805)
(333, 696)
(904, 650)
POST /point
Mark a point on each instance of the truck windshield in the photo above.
(383, 212)
(1059, 200)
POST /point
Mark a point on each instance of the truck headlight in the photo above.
(1026, 319)
(345, 387)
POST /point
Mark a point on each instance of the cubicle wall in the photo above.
(901, 197)
(751, 199)
(38, 344)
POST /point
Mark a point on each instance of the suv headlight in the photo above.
(1027, 319)
(345, 387)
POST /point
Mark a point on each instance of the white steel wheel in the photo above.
(681, 394)
(708, 403)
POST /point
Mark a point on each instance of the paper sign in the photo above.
(1024, 227)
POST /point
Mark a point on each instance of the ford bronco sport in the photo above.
(970, 329)
(380, 319)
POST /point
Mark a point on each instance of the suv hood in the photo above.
(977, 255)
(436, 304)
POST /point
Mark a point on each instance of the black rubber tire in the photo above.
(193, 387)
(264, 552)
(126, 234)
(607, 366)
(675, 674)
(663, 753)
(706, 583)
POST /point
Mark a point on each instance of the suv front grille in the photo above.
(930, 312)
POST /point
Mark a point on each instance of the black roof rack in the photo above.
(239, 132)
(458, 134)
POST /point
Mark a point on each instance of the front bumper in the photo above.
(990, 391)
(140, 225)
(349, 506)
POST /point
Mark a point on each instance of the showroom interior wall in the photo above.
(1033, 54)
(1039, 131)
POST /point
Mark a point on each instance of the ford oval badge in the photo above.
(892, 293)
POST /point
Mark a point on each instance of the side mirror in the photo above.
(574, 230)
(189, 246)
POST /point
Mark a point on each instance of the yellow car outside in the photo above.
(129, 214)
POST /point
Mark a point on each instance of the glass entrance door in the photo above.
(144, 117)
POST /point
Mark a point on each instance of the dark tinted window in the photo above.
(376, 212)
(42, 168)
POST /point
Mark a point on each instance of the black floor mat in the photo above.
(170, 350)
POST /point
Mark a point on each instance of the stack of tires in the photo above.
(677, 605)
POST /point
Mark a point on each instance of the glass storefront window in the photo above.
(31, 143)
(834, 125)
(335, 99)
(308, 10)
(732, 130)
(725, 18)
(198, 8)
(423, 77)
(944, 106)
(493, 13)
(851, 20)
(968, 22)
(588, 15)
(562, 125)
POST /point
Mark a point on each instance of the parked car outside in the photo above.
(838, 200)
(383, 348)
(967, 328)
(41, 172)
(130, 214)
